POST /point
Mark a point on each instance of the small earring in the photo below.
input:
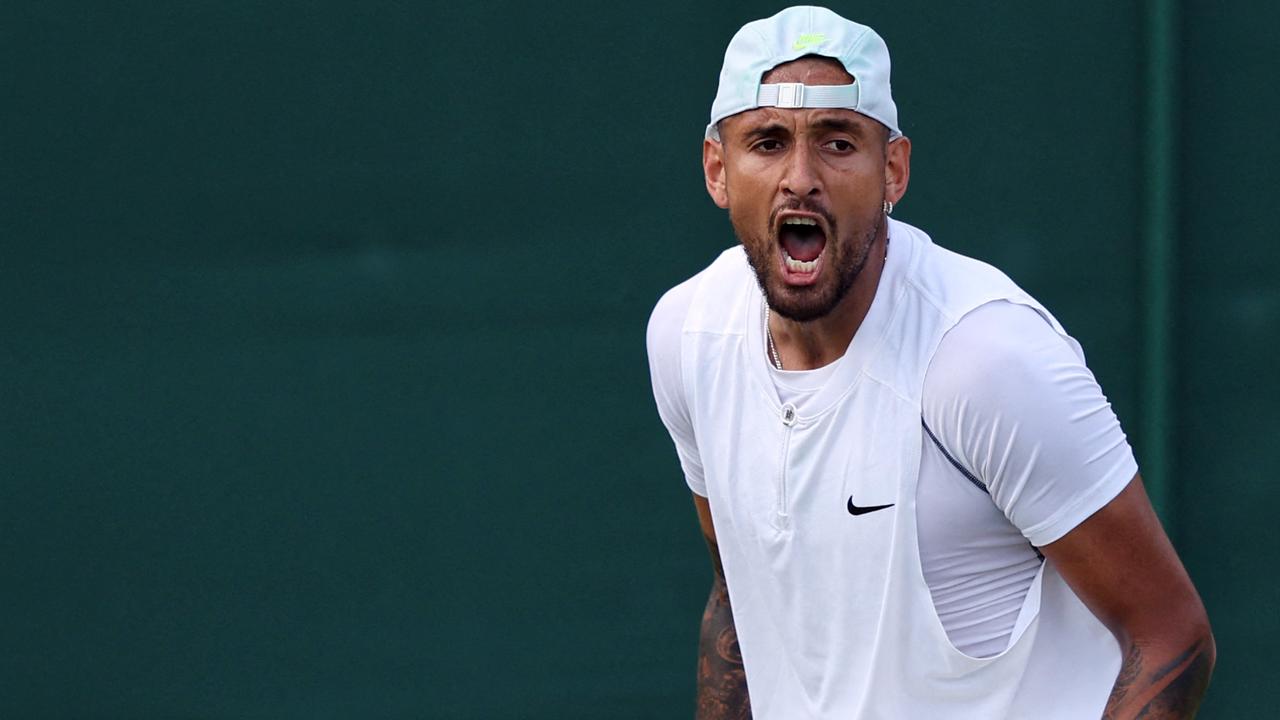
(888, 207)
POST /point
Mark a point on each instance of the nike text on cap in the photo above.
(762, 45)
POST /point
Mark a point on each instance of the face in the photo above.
(805, 190)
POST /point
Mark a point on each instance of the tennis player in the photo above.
(919, 503)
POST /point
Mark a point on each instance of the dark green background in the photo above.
(322, 383)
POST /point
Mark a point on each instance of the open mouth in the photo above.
(802, 240)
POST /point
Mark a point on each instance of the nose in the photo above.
(801, 178)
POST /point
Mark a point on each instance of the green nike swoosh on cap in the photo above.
(808, 40)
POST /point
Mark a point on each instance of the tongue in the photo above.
(803, 243)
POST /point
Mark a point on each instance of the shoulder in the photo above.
(1001, 359)
(667, 318)
(684, 306)
(688, 303)
(995, 345)
(952, 283)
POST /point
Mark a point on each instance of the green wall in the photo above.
(323, 390)
(1228, 397)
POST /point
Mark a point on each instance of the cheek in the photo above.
(749, 193)
(858, 191)
(862, 172)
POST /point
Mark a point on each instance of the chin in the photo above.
(802, 306)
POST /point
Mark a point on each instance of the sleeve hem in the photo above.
(1070, 517)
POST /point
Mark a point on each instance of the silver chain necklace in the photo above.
(768, 334)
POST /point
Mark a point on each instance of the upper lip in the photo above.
(785, 214)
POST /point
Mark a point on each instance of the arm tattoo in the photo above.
(1129, 671)
(1171, 691)
(722, 681)
(1181, 696)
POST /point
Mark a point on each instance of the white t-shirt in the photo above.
(817, 511)
(1018, 414)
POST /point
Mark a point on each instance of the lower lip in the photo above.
(799, 279)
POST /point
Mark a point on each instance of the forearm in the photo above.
(722, 681)
(1161, 682)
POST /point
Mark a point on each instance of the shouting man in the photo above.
(918, 501)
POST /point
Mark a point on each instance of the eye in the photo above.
(767, 145)
(840, 145)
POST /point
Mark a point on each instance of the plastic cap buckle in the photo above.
(790, 95)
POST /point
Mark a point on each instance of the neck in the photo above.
(815, 343)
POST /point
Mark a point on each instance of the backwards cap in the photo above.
(762, 45)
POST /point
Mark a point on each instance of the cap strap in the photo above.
(798, 95)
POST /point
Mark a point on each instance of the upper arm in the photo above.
(663, 342)
(1012, 400)
(703, 507)
(1123, 567)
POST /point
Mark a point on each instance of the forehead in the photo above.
(771, 120)
(800, 118)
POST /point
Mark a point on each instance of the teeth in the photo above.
(799, 221)
(798, 265)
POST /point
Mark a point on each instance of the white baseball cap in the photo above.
(762, 45)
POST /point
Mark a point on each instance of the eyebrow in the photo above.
(829, 123)
(841, 124)
(769, 129)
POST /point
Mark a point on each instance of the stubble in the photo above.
(848, 257)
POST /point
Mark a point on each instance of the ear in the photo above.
(897, 169)
(714, 173)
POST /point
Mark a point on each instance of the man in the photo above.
(918, 502)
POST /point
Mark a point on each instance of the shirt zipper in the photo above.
(788, 417)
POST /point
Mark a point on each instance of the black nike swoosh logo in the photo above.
(855, 510)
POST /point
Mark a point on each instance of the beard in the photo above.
(846, 257)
